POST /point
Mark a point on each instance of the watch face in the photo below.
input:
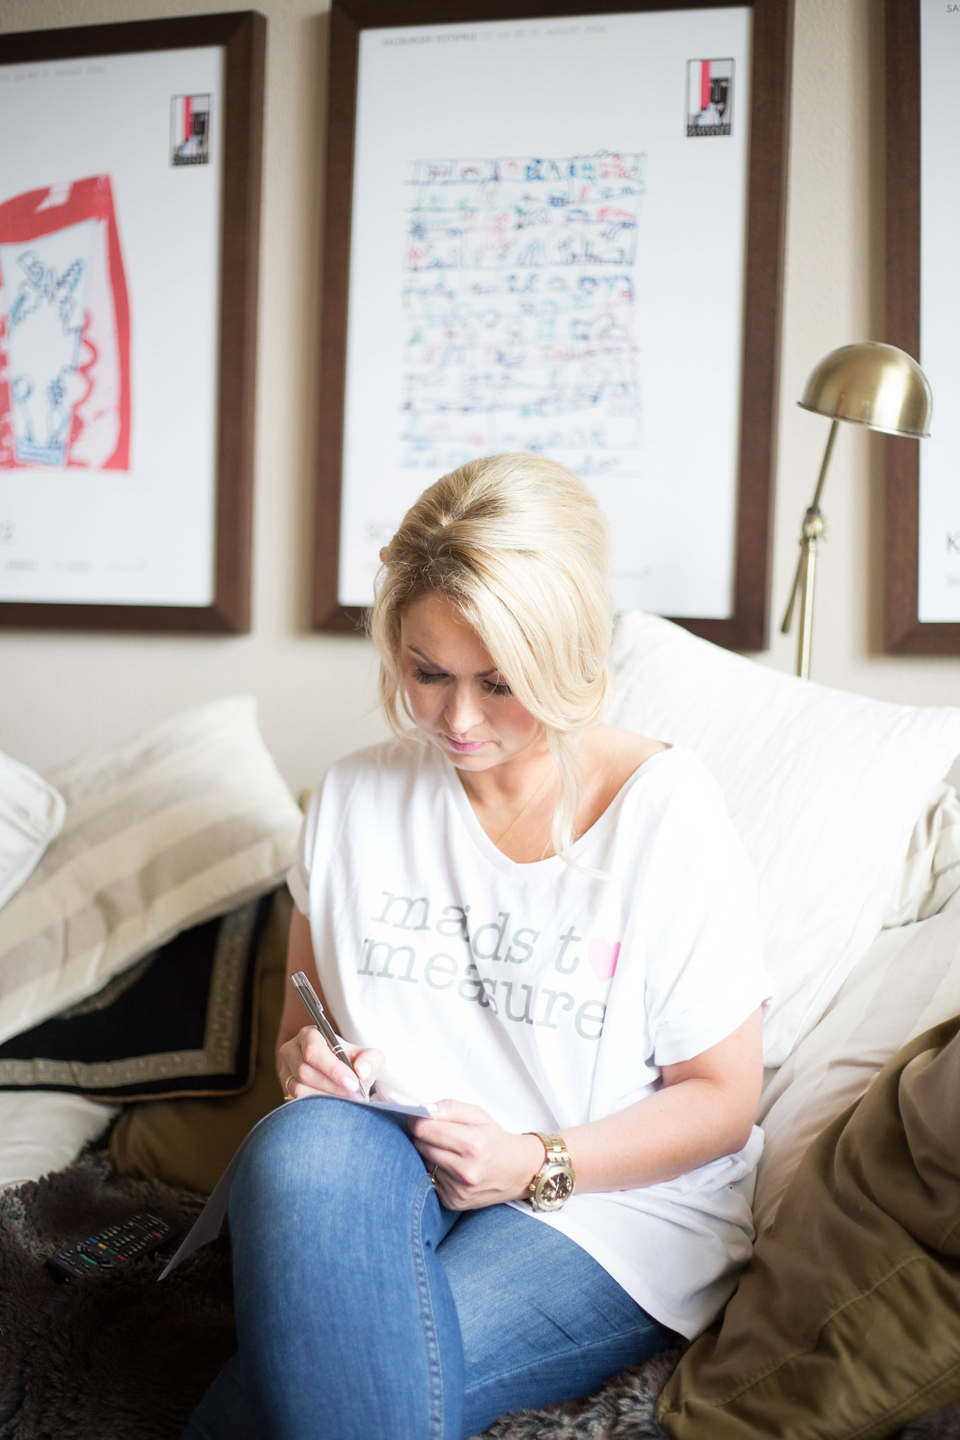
(554, 1187)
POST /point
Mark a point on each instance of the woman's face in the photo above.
(456, 694)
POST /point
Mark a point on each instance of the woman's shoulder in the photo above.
(617, 754)
(612, 758)
(362, 783)
(389, 763)
(359, 791)
(665, 774)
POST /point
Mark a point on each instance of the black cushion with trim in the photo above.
(179, 1022)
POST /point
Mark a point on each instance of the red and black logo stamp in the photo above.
(709, 97)
(190, 130)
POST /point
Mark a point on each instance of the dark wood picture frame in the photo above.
(903, 631)
(242, 36)
(748, 627)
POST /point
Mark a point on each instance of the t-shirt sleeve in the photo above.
(705, 974)
(298, 876)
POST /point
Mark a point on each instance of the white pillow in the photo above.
(824, 787)
(31, 814)
(186, 823)
(44, 1130)
(908, 981)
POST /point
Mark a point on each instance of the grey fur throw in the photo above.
(127, 1359)
(622, 1410)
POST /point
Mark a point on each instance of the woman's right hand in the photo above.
(307, 1066)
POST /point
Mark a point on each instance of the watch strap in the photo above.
(556, 1148)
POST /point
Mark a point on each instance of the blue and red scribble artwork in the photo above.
(64, 330)
(519, 300)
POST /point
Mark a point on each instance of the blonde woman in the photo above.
(546, 927)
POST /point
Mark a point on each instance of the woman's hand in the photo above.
(479, 1163)
(307, 1066)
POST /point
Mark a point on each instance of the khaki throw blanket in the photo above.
(847, 1320)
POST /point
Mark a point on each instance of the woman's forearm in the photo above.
(658, 1138)
(705, 1109)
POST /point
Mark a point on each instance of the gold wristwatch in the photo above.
(553, 1183)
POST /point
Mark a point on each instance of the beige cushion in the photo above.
(845, 1321)
(184, 824)
(191, 1142)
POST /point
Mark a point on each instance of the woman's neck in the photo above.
(514, 802)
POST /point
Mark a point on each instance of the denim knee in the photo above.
(318, 1146)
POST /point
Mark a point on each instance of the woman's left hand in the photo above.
(479, 1163)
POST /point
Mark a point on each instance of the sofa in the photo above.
(142, 923)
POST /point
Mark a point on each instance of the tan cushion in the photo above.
(183, 824)
(191, 1142)
(845, 1321)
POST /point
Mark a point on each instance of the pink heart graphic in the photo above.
(603, 957)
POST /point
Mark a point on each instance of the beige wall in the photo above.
(61, 694)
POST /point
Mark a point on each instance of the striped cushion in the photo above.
(184, 824)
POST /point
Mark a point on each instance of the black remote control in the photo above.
(112, 1248)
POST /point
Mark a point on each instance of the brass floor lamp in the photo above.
(869, 384)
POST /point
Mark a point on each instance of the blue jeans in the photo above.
(367, 1311)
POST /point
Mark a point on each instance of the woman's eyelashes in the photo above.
(432, 677)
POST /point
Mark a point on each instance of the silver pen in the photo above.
(311, 999)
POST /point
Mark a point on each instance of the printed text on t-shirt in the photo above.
(543, 1003)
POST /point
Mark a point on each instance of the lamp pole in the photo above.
(814, 529)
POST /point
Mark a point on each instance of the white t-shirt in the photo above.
(547, 996)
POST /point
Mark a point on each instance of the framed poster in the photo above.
(129, 232)
(922, 501)
(557, 227)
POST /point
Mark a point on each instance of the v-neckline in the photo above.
(503, 862)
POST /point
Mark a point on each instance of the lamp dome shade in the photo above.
(871, 384)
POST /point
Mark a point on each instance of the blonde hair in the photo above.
(519, 546)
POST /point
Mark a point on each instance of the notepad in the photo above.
(208, 1223)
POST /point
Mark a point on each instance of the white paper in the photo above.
(939, 526)
(543, 258)
(208, 1223)
(144, 534)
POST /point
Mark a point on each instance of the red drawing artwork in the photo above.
(64, 330)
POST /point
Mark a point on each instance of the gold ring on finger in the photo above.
(286, 1088)
(432, 1175)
